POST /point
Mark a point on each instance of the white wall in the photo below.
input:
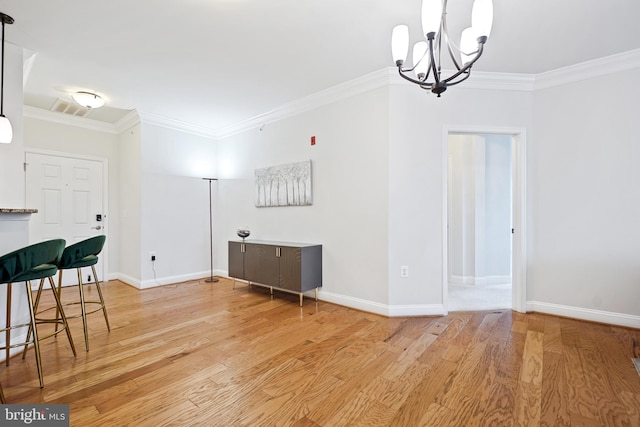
(417, 184)
(129, 213)
(174, 205)
(584, 201)
(349, 215)
(61, 138)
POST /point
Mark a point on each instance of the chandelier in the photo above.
(426, 70)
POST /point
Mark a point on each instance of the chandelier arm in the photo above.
(436, 74)
(445, 30)
(453, 57)
(467, 68)
(412, 80)
(466, 76)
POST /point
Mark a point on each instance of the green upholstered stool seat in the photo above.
(33, 262)
(79, 255)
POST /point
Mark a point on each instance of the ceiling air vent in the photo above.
(70, 107)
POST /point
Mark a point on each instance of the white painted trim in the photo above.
(374, 80)
(169, 123)
(382, 309)
(519, 206)
(479, 280)
(589, 70)
(591, 315)
(131, 281)
(353, 302)
(65, 119)
(362, 84)
(105, 192)
(128, 121)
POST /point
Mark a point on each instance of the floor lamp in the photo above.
(211, 278)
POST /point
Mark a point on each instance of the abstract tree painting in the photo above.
(284, 185)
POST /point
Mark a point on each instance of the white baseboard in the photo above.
(591, 315)
(479, 280)
(382, 309)
(600, 316)
(160, 281)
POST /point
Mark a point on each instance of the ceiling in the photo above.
(214, 63)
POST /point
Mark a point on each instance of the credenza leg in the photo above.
(316, 294)
(301, 296)
(234, 283)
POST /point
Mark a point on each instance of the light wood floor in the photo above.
(200, 354)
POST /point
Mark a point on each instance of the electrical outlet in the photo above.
(152, 255)
(404, 271)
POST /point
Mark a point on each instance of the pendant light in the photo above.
(426, 70)
(6, 132)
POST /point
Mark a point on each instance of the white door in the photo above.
(68, 193)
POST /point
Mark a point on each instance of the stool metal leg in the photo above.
(83, 309)
(7, 332)
(36, 343)
(104, 306)
(60, 316)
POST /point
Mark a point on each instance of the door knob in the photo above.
(97, 228)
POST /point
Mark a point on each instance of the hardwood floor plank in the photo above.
(202, 354)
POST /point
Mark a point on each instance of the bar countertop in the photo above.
(17, 211)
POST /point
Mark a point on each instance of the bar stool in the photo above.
(79, 255)
(2, 399)
(32, 262)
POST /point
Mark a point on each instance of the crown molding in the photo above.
(480, 80)
(65, 119)
(370, 81)
(169, 123)
(127, 122)
(589, 70)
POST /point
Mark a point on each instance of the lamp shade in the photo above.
(431, 16)
(6, 131)
(482, 17)
(468, 45)
(420, 59)
(88, 99)
(400, 43)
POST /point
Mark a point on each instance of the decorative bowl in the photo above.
(243, 232)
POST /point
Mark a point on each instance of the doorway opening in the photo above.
(484, 217)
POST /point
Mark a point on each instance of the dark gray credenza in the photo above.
(291, 267)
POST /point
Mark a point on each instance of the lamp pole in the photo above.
(211, 278)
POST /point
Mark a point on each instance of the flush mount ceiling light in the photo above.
(88, 99)
(6, 131)
(427, 55)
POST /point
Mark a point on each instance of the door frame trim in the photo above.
(519, 204)
(105, 192)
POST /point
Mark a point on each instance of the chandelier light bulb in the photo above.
(421, 60)
(468, 45)
(429, 67)
(431, 16)
(400, 43)
(482, 17)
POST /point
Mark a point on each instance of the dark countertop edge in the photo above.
(17, 211)
(276, 243)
